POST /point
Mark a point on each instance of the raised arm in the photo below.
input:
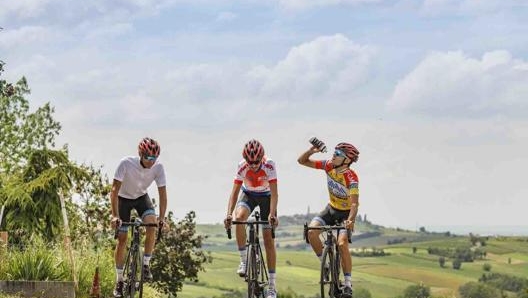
(305, 160)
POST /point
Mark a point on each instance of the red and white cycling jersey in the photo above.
(256, 183)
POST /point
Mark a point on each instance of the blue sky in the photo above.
(434, 93)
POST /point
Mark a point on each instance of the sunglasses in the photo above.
(339, 153)
(150, 157)
(253, 163)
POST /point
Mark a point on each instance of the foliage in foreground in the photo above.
(178, 256)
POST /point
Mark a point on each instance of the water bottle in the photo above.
(318, 144)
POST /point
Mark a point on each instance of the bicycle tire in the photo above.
(130, 284)
(263, 273)
(326, 279)
(141, 276)
(252, 277)
(337, 272)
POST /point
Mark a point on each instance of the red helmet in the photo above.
(149, 147)
(349, 149)
(253, 151)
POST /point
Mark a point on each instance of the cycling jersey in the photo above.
(135, 179)
(340, 184)
(256, 183)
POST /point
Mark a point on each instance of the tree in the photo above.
(417, 291)
(457, 264)
(474, 289)
(179, 256)
(21, 130)
(441, 261)
(32, 197)
(33, 177)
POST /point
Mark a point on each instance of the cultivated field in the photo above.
(384, 277)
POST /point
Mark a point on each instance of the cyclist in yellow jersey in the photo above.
(344, 201)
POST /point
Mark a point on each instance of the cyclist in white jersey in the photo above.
(257, 177)
(132, 177)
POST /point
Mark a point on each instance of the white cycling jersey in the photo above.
(135, 179)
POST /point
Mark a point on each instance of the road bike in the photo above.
(256, 274)
(133, 269)
(329, 281)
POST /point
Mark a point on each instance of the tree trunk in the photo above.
(67, 242)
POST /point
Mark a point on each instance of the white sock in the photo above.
(272, 279)
(243, 255)
(119, 274)
(146, 259)
(348, 280)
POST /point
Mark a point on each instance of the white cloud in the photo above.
(24, 36)
(108, 31)
(451, 83)
(307, 4)
(226, 16)
(24, 8)
(469, 7)
(326, 67)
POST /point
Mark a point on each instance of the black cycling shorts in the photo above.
(143, 205)
(331, 216)
(251, 202)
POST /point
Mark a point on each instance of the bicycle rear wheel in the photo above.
(327, 278)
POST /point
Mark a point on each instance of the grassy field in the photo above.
(384, 277)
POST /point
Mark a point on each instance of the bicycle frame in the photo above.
(330, 261)
(133, 269)
(256, 272)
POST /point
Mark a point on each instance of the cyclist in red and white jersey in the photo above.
(344, 201)
(257, 177)
(133, 176)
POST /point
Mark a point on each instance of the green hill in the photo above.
(406, 261)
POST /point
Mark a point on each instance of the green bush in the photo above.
(441, 261)
(36, 262)
(86, 264)
(480, 290)
(417, 291)
(457, 264)
(361, 293)
(486, 267)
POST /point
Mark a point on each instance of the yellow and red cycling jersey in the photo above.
(340, 184)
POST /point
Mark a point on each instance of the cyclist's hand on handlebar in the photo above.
(274, 221)
(161, 224)
(115, 222)
(227, 221)
(349, 225)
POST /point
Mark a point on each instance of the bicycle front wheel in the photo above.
(327, 278)
(130, 274)
(141, 276)
(252, 276)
